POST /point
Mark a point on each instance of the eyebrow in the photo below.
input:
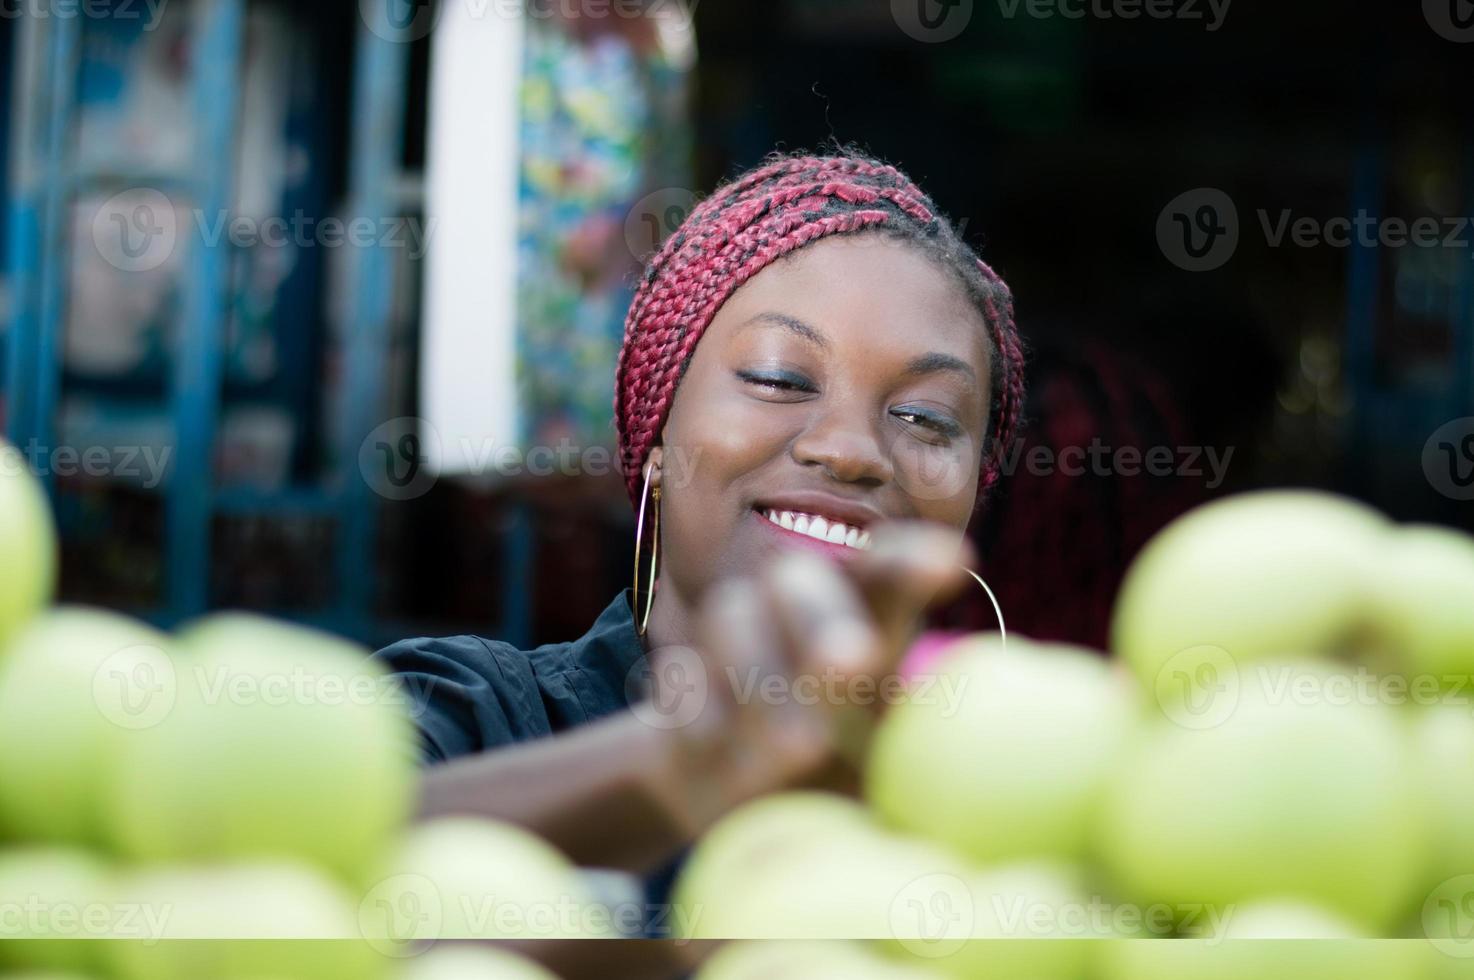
(937, 361)
(929, 363)
(794, 324)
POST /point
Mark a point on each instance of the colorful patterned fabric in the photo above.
(603, 124)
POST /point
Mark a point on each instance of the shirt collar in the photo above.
(612, 642)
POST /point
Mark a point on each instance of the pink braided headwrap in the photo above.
(742, 228)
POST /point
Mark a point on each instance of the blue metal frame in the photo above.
(215, 70)
(380, 72)
(45, 77)
(46, 182)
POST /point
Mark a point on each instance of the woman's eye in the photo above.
(939, 424)
(777, 381)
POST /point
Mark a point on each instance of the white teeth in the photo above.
(819, 528)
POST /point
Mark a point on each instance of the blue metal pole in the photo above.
(30, 113)
(52, 300)
(45, 68)
(377, 138)
(216, 63)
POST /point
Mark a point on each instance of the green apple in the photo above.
(473, 963)
(1443, 741)
(1271, 573)
(53, 901)
(283, 742)
(849, 885)
(246, 921)
(793, 960)
(74, 685)
(28, 542)
(1029, 921)
(744, 836)
(1303, 792)
(1279, 940)
(464, 878)
(1013, 769)
(1424, 602)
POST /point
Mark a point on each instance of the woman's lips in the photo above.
(793, 537)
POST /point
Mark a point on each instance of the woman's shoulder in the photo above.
(469, 693)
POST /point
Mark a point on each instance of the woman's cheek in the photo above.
(928, 472)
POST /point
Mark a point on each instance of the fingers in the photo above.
(743, 644)
(910, 567)
(823, 620)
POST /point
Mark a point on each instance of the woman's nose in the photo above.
(848, 446)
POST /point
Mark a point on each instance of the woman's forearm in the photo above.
(609, 794)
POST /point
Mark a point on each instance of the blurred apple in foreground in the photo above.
(66, 692)
(1424, 602)
(54, 902)
(463, 878)
(1443, 743)
(1031, 921)
(849, 885)
(1272, 573)
(794, 960)
(472, 963)
(27, 542)
(1012, 769)
(1292, 796)
(1267, 941)
(283, 742)
(239, 922)
(741, 840)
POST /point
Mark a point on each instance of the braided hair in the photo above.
(762, 216)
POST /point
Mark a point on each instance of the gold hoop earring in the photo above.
(644, 623)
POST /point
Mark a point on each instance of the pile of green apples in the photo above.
(1271, 776)
(231, 801)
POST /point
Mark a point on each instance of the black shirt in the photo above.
(470, 694)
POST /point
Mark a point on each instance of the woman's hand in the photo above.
(793, 666)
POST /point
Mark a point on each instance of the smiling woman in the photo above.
(816, 383)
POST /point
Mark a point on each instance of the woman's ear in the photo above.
(654, 465)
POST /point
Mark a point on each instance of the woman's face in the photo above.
(848, 382)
